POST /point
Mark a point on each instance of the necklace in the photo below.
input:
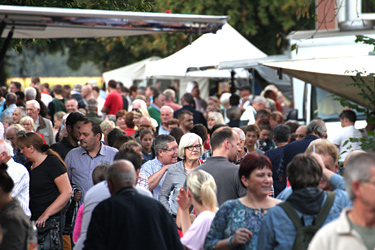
(36, 163)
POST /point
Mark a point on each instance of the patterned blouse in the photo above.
(231, 216)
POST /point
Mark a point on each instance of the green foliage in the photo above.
(365, 83)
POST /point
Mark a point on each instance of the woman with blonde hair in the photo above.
(28, 124)
(201, 193)
(50, 188)
(190, 150)
(214, 118)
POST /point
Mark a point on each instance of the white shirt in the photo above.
(342, 137)
(21, 179)
(248, 115)
(46, 99)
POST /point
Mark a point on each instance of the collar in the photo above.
(42, 123)
(92, 114)
(126, 190)
(217, 158)
(154, 105)
(100, 152)
(308, 137)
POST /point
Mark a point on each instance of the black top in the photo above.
(297, 147)
(129, 220)
(278, 169)
(43, 190)
(15, 225)
(62, 147)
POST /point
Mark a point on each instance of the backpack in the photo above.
(304, 234)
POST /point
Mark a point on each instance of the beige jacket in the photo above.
(337, 235)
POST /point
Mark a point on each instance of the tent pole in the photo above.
(5, 46)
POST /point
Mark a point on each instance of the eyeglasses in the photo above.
(171, 150)
(196, 147)
(136, 110)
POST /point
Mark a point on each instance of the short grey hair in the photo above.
(34, 103)
(241, 134)
(17, 128)
(187, 140)
(169, 94)
(119, 177)
(316, 126)
(224, 98)
(167, 107)
(358, 168)
(30, 92)
(218, 117)
(260, 99)
(92, 105)
(161, 142)
(6, 147)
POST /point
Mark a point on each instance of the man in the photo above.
(225, 146)
(186, 121)
(170, 96)
(347, 119)
(100, 192)
(31, 94)
(92, 110)
(225, 103)
(11, 135)
(151, 91)
(58, 102)
(165, 147)
(315, 130)
(276, 119)
(187, 101)
(113, 102)
(76, 94)
(166, 113)
(281, 135)
(15, 87)
(241, 137)
(123, 221)
(248, 117)
(301, 132)
(74, 122)
(355, 226)
(246, 97)
(41, 125)
(10, 101)
(87, 92)
(82, 161)
(71, 105)
(200, 104)
(154, 109)
(19, 175)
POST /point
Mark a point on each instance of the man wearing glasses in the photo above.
(166, 154)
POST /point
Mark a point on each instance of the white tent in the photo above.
(208, 50)
(128, 74)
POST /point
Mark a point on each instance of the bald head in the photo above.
(351, 154)
(145, 122)
(121, 174)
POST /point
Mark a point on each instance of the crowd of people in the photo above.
(134, 169)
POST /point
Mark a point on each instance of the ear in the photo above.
(355, 188)
(98, 136)
(245, 181)
(68, 129)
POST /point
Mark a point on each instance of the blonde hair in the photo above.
(106, 124)
(203, 188)
(187, 140)
(218, 117)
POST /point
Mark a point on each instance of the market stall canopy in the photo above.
(332, 74)
(206, 52)
(43, 22)
(130, 73)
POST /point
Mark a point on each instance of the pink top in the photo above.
(77, 226)
(195, 236)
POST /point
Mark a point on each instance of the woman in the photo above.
(13, 220)
(201, 193)
(238, 222)
(50, 188)
(18, 113)
(120, 119)
(214, 118)
(130, 126)
(106, 126)
(28, 124)
(146, 138)
(58, 122)
(190, 150)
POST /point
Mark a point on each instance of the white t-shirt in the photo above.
(195, 236)
(342, 137)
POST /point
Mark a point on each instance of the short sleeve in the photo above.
(56, 167)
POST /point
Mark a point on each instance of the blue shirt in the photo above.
(8, 112)
(150, 168)
(81, 165)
